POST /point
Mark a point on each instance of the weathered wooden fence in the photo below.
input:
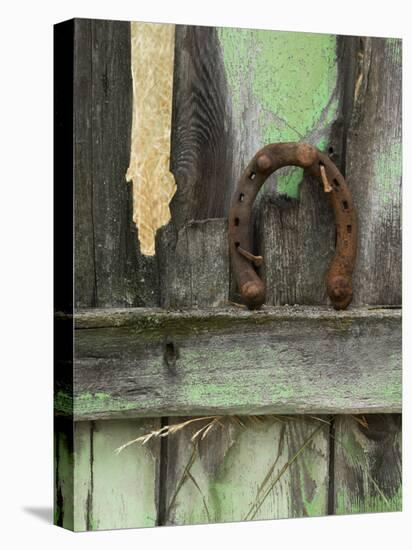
(157, 338)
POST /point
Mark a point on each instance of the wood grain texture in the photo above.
(278, 360)
(295, 229)
(374, 170)
(84, 257)
(63, 483)
(110, 271)
(112, 490)
(194, 264)
(201, 127)
(234, 91)
(242, 472)
(367, 465)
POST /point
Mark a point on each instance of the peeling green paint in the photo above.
(289, 79)
(288, 181)
(231, 487)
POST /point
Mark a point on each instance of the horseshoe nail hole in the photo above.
(349, 228)
(241, 197)
(236, 221)
(345, 205)
(331, 150)
(336, 183)
(237, 244)
(252, 175)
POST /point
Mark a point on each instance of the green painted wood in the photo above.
(368, 473)
(235, 90)
(115, 490)
(146, 362)
(288, 86)
(237, 473)
(64, 489)
(283, 86)
(368, 464)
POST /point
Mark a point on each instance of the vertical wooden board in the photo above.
(288, 86)
(83, 434)
(374, 170)
(296, 240)
(367, 464)
(201, 156)
(84, 257)
(124, 486)
(63, 474)
(110, 270)
(194, 264)
(241, 473)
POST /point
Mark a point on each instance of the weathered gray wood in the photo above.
(296, 236)
(368, 464)
(237, 473)
(297, 241)
(367, 461)
(192, 256)
(84, 257)
(374, 171)
(146, 362)
(110, 271)
(201, 127)
(194, 264)
(113, 491)
(141, 363)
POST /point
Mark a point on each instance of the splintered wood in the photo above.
(152, 59)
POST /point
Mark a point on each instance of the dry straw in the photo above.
(272, 476)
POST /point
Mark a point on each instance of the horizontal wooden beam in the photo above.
(278, 360)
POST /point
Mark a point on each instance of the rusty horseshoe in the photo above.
(265, 162)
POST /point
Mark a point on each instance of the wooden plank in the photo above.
(374, 171)
(110, 271)
(146, 362)
(278, 101)
(63, 473)
(112, 490)
(239, 473)
(194, 264)
(201, 158)
(367, 465)
(84, 257)
(83, 481)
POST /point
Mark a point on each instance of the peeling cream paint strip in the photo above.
(152, 59)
